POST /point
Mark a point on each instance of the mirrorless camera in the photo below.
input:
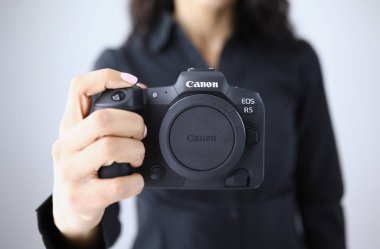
(203, 133)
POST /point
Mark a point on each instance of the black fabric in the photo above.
(297, 206)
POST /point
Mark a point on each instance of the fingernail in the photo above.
(145, 132)
(129, 78)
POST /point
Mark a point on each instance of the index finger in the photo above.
(84, 86)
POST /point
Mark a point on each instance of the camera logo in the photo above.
(206, 84)
(198, 138)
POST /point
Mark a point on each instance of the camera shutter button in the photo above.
(118, 96)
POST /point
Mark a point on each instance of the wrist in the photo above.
(82, 238)
(78, 232)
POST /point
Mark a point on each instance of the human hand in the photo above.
(87, 143)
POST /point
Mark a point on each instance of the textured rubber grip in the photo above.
(115, 170)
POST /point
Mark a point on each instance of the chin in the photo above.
(213, 4)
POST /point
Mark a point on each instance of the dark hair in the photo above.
(266, 20)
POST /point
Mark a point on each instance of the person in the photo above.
(251, 42)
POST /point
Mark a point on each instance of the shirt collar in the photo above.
(160, 35)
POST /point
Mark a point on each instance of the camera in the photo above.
(203, 133)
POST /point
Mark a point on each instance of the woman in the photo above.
(252, 43)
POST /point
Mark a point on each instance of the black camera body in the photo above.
(202, 133)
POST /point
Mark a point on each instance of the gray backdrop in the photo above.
(43, 44)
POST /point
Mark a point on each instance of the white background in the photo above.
(45, 43)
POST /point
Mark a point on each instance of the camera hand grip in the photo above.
(115, 170)
(129, 99)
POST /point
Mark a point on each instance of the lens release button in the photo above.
(252, 136)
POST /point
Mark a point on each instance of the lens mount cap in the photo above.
(202, 136)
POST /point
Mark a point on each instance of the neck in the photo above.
(207, 28)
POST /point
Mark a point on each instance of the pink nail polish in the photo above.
(129, 78)
(145, 132)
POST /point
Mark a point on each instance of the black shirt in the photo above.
(298, 204)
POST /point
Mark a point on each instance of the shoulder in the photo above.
(308, 67)
(306, 54)
(121, 58)
(113, 58)
(298, 53)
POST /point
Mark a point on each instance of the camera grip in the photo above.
(115, 170)
(129, 99)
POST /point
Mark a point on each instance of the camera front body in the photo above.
(202, 132)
